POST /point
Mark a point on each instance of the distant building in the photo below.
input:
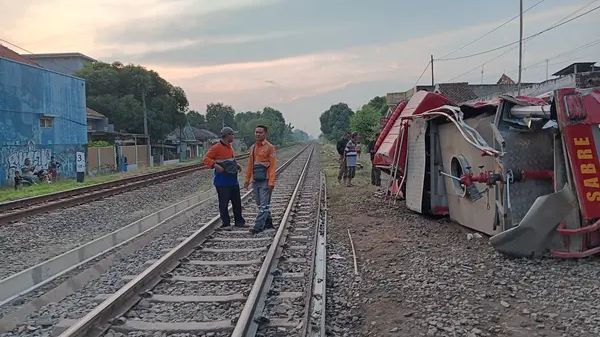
(504, 79)
(42, 114)
(576, 68)
(66, 63)
(186, 143)
(97, 122)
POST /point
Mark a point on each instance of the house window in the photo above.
(46, 122)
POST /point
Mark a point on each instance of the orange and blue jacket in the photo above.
(220, 152)
(262, 153)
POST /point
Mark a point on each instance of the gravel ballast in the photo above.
(421, 276)
(38, 238)
(42, 321)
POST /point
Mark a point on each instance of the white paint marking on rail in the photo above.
(182, 327)
(228, 278)
(240, 239)
(185, 298)
(231, 250)
(223, 263)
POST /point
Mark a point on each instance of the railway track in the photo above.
(220, 282)
(12, 211)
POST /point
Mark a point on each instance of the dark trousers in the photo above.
(226, 194)
(375, 176)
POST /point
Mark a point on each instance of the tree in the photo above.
(336, 120)
(118, 90)
(300, 136)
(379, 104)
(269, 117)
(274, 121)
(196, 119)
(365, 122)
(247, 122)
(219, 115)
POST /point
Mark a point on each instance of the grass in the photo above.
(9, 193)
(330, 166)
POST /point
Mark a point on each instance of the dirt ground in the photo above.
(421, 276)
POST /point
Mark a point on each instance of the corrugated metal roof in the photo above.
(94, 113)
(55, 55)
(456, 92)
(12, 55)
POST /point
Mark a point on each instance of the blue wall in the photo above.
(27, 94)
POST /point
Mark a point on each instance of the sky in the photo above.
(303, 56)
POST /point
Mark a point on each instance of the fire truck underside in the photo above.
(523, 170)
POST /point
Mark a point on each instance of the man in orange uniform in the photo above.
(261, 173)
(220, 156)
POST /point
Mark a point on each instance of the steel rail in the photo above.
(11, 211)
(246, 325)
(96, 322)
(315, 304)
(21, 208)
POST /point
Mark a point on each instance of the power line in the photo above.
(482, 64)
(14, 45)
(66, 71)
(576, 49)
(525, 39)
(576, 11)
(493, 30)
(423, 73)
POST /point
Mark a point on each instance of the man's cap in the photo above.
(227, 131)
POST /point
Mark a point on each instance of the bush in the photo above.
(99, 143)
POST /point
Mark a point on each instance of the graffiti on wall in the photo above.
(13, 158)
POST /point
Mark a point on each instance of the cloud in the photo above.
(55, 25)
(300, 56)
(137, 50)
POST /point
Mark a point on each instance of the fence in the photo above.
(137, 155)
(101, 160)
(104, 159)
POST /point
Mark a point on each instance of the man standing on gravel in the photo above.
(351, 152)
(221, 158)
(261, 173)
(341, 145)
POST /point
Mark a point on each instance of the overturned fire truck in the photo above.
(523, 170)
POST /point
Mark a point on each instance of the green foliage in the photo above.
(335, 121)
(99, 143)
(300, 136)
(196, 119)
(116, 90)
(279, 132)
(219, 115)
(379, 104)
(365, 122)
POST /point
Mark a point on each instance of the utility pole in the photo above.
(520, 44)
(546, 69)
(149, 149)
(482, 73)
(432, 81)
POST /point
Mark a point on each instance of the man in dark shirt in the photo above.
(221, 158)
(375, 172)
(53, 168)
(341, 145)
